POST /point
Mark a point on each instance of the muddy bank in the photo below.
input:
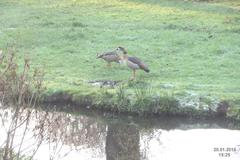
(189, 105)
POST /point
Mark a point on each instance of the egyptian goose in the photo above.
(133, 63)
(110, 57)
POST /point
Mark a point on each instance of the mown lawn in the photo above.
(189, 46)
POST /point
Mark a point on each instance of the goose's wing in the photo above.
(110, 57)
(140, 63)
(109, 54)
(106, 54)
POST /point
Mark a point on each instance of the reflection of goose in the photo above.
(133, 63)
(110, 57)
(122, 142)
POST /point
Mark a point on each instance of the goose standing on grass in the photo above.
(109, 57)
(133, 63)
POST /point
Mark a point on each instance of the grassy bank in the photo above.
(191, 48)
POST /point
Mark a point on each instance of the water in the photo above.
(91, 135)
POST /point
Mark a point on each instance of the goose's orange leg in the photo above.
(134, 75)
(109, 64)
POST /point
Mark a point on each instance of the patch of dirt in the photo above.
(104, 83)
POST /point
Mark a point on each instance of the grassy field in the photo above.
(189, 46)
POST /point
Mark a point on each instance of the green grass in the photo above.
(190, 46)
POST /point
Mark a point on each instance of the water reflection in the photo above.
(59, 132)
(122, 142)
(88, 135)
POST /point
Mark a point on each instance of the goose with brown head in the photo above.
(110, 57)
(133, 63)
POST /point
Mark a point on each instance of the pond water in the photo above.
(79, 134)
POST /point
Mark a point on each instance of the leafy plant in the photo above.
(21, 89)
